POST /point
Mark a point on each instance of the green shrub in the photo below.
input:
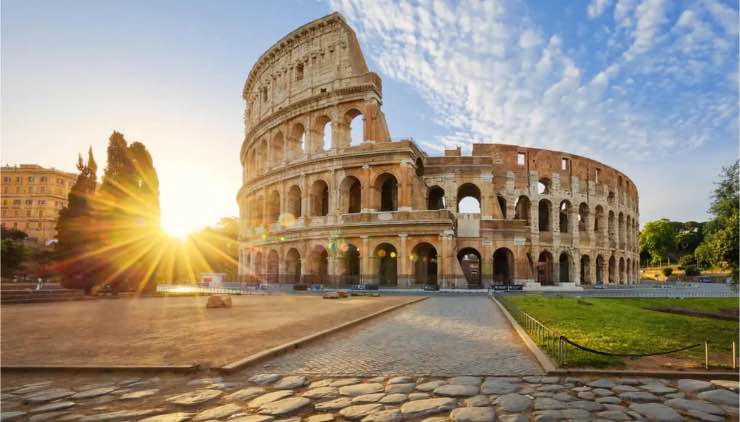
(667, 271)
(692, 270)
(686, 261)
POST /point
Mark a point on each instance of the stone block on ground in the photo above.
(219, 301)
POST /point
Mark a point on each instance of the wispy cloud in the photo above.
(491, 72)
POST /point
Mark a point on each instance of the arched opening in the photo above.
(293, 266)
(620, 230)
(582, 216)
(470, 261)
(598, 219)
(544, 269)
(323, 126)
(258, 270)
(277, 149)
(258, 212)
(621, 270)
(262, 156)
(521, 210)
(297, 142)
(355, 122)
(319, 265)
(387, 187)
(612, 230)
(386, 264)
(273, 207)
(585, 269)
(419, 167)
(350, 195)
(319, 198)
(503, 266)
(564, 214)
(628, 272)
(502, 204)
(424, 257)
(610, 198)
(544, 215)
(599, 269)
(544, 186)
(348, 263)
(564, 262)
(436, 199)
(293, 204)
(273, 267)
(468, 199)
(612, 270)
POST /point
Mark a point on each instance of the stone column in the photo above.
(366, 199)
(487, 197)
(573, 227)
(366, 273)
(404, 194)
(402, 262)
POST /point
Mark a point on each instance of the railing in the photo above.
(565, 351)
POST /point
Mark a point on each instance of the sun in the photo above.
(177, 228)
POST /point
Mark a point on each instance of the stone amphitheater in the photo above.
(328, 196)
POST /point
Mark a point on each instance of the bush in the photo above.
(692, 270)
(667, 271)
(686, 261)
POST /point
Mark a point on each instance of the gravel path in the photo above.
(442, 336)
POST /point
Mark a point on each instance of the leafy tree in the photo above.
(667, 271)
(658, 238)
(12, 252)
(686, 261)
(75, 230)
(720, 245)
(689, 237)
(218, 246)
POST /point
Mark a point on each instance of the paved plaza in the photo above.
(443, 336)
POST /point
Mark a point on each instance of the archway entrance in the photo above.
(503, 266)
(273, 265)
(599, 269)
(318, 265)
(470, 261)
(544, 269)
(585, 269)
(348, 263)
(424, 256)
(564, 268)
(293, 266)
(386, 264)
(612, 270)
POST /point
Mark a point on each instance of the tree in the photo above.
(720, 245)
(76, 231)
(218, 246)
(13, 253)
(658, 238)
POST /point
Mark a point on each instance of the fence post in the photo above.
(734, 356)
(706, 354)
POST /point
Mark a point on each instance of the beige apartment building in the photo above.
(32, 198)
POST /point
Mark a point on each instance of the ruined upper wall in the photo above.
(523, 162)
(308, 61)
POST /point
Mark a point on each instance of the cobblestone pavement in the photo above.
(275, 398)
(443, 336)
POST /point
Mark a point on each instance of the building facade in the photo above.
(32, 198)
(318, 206)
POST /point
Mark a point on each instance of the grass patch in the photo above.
(625, 325)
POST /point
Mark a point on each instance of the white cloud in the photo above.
(490, 73)
(597, 7)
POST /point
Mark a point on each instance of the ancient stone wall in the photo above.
(317, 206)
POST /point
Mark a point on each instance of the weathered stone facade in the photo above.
(316, 207)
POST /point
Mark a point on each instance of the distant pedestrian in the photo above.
(39, 283)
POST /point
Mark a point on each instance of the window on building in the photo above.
(60, 181)
(264, 93)
(30, 179)
(564, 163)
(598, 171)
(6, 179)
(29, 202)
(17, 202)
(521, 158)
(299, 72)
(42, 202)
(19, 180)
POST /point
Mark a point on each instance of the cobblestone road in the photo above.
(442, 336)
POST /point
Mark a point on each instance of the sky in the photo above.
(649, 87)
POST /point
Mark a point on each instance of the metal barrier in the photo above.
(194, 289)
(563, 350)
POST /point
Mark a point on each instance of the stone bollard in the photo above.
(217, 301)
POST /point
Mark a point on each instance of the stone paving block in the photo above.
(656, 412)
(720, 397)
(473, 414)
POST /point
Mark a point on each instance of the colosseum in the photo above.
(318, 205)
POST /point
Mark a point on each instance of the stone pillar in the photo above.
(366, 273)
(366, 200)
(573, 227)
(402, 261)
(487, 197)
(404, 185)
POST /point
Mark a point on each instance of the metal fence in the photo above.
(565, 351)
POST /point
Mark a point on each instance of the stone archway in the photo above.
(385, 258)
(424, 257)
(545, 269)
(503, 266)
(470, 261)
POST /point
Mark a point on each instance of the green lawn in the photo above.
(625, 325)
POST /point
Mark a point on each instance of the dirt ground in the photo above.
(168, 331)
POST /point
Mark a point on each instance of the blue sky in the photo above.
(647, 86)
